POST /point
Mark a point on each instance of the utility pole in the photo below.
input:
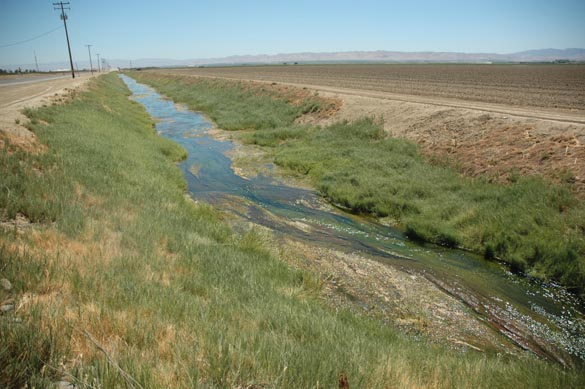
(98, 55)
(90, 63)
(36, 62)
(64, 18)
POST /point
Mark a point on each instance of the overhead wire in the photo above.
(33, 38)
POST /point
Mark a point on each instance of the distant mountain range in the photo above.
(398, 56)
(544, 55)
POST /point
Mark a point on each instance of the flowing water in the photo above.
(541, 318)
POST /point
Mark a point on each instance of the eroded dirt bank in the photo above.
(479, 142)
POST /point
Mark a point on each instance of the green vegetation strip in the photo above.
(535, 226)
(119, 260)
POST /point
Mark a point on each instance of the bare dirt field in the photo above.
(487, 119)
(549, 86)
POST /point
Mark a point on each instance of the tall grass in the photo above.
(535, 226)
(228, 102)
(170, 293)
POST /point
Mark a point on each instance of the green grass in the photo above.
(535, 226)
(169, 291)
(228, 102)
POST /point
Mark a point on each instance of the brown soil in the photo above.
(487, 120)
(549, 86)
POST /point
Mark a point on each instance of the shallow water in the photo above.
(542, 318)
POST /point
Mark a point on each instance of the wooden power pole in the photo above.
(61, 5)
(90, 63)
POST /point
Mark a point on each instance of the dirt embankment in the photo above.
(495, 120)
(482, 143)
(15, 97)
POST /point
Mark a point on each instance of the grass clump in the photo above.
(27, 353)
(535, 226)
(275, 136)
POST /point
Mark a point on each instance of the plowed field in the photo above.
(550, 86)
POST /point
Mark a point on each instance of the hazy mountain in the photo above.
(381, 56)
(543, 55)
(549, 55)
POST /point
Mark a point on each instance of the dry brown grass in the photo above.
(54, 294)
(18, 137)
(498, 151)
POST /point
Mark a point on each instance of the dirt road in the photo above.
(19, 93)
(26, 79)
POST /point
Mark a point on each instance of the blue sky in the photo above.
(181, 29)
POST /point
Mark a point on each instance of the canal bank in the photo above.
(514, 313)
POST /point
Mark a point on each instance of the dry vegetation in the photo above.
(501, 148)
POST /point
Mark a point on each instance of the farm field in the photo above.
(549, 86)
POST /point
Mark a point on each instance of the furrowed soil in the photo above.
(488, 120)
(549, 86)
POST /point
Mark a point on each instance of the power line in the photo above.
(33, 38)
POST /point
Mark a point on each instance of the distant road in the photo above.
(17, 93)
(29, 80)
